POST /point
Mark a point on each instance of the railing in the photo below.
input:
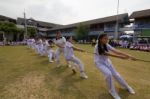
(139, 26)
(64, 34)
(95, 32)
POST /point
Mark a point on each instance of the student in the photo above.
(50, 52)
(103, 63)
(36, 46)
(40, 47)
(45, 47)
(69, 55)
(60, 42)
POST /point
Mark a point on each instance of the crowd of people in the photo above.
(44, 47)
(129, 45)
(12, 43)
(140, 47)
(101, 52)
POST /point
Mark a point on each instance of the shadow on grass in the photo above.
(124, 94)
(68, 86)
(44, 62)
(58, 70)
(68, 83)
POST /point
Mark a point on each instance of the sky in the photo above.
(69, 11)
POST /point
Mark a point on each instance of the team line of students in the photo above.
(101, 53)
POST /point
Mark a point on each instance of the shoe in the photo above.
(58, 66)
(51, 61)
(74, 71)
(115, 95)
(131, 91)
(83, 75)
(69, 65)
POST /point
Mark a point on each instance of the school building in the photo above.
(96, 26)
(40, 27)
(139, 19)
(141, 25)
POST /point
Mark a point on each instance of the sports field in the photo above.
(25, 75)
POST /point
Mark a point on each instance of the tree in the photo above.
(31, 32)
(82, 32)
(10, 28)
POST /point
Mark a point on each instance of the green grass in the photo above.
(25, 75)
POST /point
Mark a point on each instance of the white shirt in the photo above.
(45, 45)
(102, 58)
(60, 41)
(69, 50)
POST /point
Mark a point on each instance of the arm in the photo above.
(114, 55)
(123, 54)
(61, 46)
(78, 49)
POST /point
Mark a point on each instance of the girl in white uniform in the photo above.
(50, 52)
(104, 64)
(69, 55)
(45, 47)
(60, 43)
(40, 47)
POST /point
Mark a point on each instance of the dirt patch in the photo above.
(31, 86)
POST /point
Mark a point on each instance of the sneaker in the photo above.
(58, 65)
(131, 91)
(115, 95)
(83, 75)
(51, 61)
(69, 65)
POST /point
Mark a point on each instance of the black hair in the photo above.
(50, 41)
(102, 48)
(68, 37)
(57, 33)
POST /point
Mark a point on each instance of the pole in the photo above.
(25, 26)
(117, 22)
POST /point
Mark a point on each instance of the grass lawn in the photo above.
(25, 75)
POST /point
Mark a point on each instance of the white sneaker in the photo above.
(51, 61)
(58, 65)
(69, 65)
(131, 91)
(114, 95)
(83, 75)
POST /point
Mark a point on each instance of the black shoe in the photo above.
(74, 71)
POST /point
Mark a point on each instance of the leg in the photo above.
(79, 63)
(117, 76)
(57, 56)
(50, 57)
(81, 67)
(120, 80)
(109, 79)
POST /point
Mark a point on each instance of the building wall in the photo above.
(95, 30)
(142, 26)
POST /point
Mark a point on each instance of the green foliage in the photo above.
(82, 32)
(31, 32)
(8, 27)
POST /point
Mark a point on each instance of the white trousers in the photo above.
(57, 55)
(77, 62)
(51, 54)
(109, 72)
(40, 49)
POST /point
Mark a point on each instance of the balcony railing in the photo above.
(141, 26)
(95, 32)
(64, 34)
